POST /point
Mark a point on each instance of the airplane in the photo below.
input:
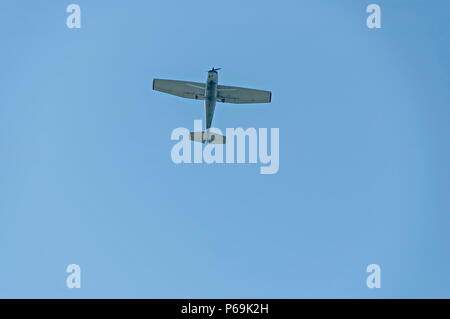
(211, 93)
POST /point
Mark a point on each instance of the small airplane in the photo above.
(211, 92)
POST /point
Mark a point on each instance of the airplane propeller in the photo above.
(213, 69)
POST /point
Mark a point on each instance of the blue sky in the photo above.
(86, 175)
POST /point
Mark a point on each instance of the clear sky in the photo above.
(86, 175)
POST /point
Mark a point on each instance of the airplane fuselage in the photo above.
(210, 97)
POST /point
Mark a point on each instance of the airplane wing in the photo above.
(190, 90)
(233, 94)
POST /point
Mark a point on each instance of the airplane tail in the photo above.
(209, 137)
